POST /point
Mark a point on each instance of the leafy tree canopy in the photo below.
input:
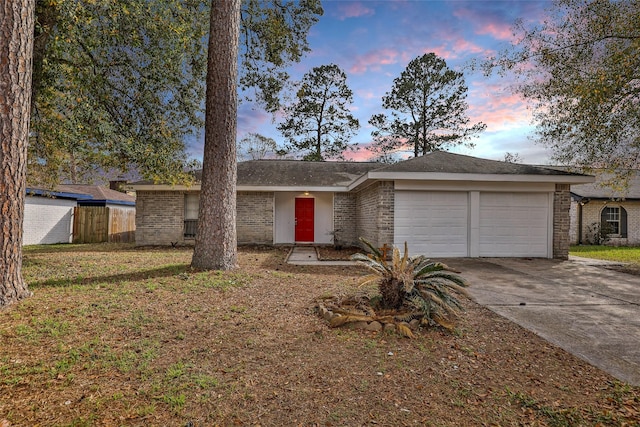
(116, 83)
(255, 147)
(318, 121)
(273, 35)
(120, 83)
(428, 109)
(581, 70)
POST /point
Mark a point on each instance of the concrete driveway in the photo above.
(588, 310)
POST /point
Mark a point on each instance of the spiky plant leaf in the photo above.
(349, 318)
(420, 304)
(404, 317)
(369, 279)
(444, 322)
(448, 277)
(377, 266)
(404, 330)
(405, 256)
(428, 287)
(428, 267)
(373, 249)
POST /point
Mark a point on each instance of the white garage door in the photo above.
(433, 223)
(514, 224)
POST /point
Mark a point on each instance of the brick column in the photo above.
(344, 219)
(561, 221)
(386, 202)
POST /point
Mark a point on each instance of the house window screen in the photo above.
(191, 203)
(611, 217)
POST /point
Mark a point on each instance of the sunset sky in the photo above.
(373, 41)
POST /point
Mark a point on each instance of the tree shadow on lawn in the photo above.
(100, 247)
(268, 258)
(154, 273)
(78, 247)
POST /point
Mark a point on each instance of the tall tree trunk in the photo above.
(216, 241)
(16, 53)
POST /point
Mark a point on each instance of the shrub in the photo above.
(598, 233)
(416, 284)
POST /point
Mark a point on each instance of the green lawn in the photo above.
(610, 253)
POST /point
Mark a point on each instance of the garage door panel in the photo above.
(432, 223)
(513, 224)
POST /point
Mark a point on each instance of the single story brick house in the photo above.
(595, 204)
(442, 204)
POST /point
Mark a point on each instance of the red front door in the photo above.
(304, 219)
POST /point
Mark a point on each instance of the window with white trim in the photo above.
(614, 221)
(191, 207)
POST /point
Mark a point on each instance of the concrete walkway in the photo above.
(307, 255)
(578, 305)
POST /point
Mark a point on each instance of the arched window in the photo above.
(614, 220)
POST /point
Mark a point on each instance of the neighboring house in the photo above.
(49, 214)
(100, 196)
(442, 204)
(597, 206)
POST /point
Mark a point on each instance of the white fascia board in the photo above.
(273, 188)
(492, 186)
(276, 188)
(440, 176)
(359, 181)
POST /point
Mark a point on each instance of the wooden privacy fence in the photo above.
(93, 224)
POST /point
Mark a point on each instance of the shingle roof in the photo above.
(600, 190)
(295, 173)
(444, 162)
(96, 192)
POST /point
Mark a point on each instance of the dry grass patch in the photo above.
(121, 336)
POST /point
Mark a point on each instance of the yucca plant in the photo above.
(413, 284)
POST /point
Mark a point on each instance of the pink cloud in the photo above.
(362, 154)
(466, 46)
(353, 10)
(487, 20)
(441, 51)
(496, 30)
(454, 47)
(498, 108)
(366, 153)
(251, 119)
(373, 60)
(367, 94)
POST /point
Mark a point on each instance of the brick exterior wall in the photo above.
(159, 217)
(386, 212)
(561, 221)
(573, 219)
(374, 213)
(368, 213)
(591, 215)
(254, 219)
(344, 219)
